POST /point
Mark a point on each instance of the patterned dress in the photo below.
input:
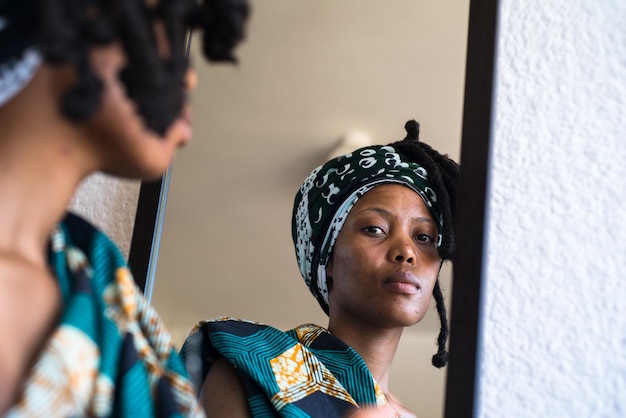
(110, 354)
(304, 372)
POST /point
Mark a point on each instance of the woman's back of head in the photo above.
(62, 32)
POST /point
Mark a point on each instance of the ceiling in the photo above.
(310, 72)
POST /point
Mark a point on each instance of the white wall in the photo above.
(110, 203)
(554, 318)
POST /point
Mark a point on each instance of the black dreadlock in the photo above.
(443, 175)
(69, 28)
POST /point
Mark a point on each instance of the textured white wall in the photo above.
(554, 336)
(110, 204)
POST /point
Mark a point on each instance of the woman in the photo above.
(88, 86)
(371, 230)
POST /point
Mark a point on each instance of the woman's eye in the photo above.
(373, 230)
(425, 238)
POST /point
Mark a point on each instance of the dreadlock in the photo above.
(69, 28)
(443, 173)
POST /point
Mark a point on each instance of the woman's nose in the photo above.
(190, 81)
(403, 250)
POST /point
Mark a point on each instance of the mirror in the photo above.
(311, 72)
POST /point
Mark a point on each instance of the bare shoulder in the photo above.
(222, 393)
(29, 306)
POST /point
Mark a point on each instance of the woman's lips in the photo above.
(402, 282)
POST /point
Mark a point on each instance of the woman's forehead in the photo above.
(392, 197)
(385, 190)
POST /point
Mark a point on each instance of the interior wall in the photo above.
(554, 318)
(110, 204)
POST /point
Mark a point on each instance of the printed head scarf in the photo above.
(328, 194)
(19, 59)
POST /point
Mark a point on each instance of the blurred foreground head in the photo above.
(153, 34)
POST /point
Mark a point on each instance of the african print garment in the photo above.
(304, 372)
(110, 354)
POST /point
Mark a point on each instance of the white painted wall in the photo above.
(109, 203)
(554, 318)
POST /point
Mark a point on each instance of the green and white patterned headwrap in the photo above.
(328, 194)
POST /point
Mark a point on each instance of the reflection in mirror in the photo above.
(310, 73)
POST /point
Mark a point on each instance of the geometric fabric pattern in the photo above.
(298, 373)
(304, 372)
(109, 354)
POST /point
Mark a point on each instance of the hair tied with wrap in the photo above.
(66, 30)
(412, 128)
(327, 195)
(224, 24)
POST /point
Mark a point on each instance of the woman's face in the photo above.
(385, 261)
(123, 143)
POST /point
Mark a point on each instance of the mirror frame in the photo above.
(462, 382)
(471, 214)
(140, 252)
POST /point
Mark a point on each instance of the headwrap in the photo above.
(328, 194)
(19, 59)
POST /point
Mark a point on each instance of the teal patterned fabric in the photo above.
(328, 194)
(304, 372)
(110, 355)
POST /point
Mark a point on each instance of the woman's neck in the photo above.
(377, 346)
(42, 162)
